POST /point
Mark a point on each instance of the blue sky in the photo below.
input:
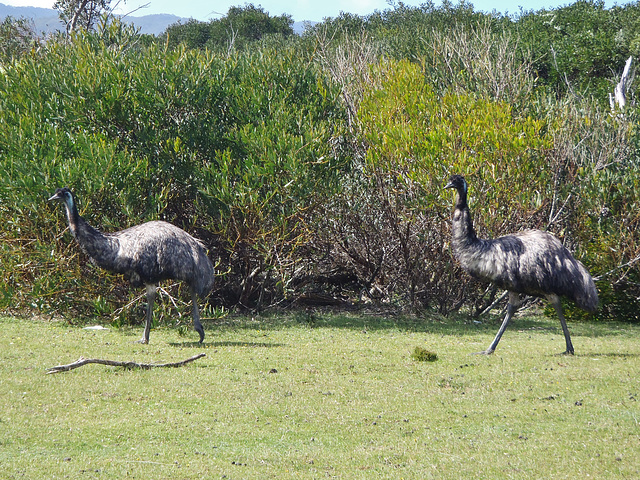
(314, 10)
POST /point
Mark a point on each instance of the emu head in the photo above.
(64, 195)
(61, 194)
(459, 183)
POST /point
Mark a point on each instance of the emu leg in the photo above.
(151, 297)
(512, 306)
(557, 304)
(196, 315)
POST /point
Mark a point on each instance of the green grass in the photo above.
(322, 397)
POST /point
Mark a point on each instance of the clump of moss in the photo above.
(423, 355)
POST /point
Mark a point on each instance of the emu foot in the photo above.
(484, 352)
(201, 333)
(144, 341)
(566, 352)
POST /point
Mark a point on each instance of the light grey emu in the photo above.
(531, 262)
(146, 254)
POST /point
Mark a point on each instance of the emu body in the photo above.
(146, 254)
(531, 262)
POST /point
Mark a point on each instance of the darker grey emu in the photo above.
(531, 262)
(146, 254)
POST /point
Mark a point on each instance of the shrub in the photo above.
(420, 354)
(396, 237)
(576, 47)
(235, 150)
(312, 168)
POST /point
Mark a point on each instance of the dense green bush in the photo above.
(577, 48)
(403, 31)
(490, 59)
(236, 150)
(604, 219)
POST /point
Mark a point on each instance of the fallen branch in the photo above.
(129, 365)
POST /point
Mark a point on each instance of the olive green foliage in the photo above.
(415, 134)
(238, 29)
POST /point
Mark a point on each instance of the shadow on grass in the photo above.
(431, 323)
(428, 323)
(609, 355)
(206, 344)
(353, 321)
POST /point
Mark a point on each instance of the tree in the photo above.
(239, 27)
(81, 13)
(17, 36)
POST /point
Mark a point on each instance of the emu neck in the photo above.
(463, 233)
(73, 217)
(101, 248)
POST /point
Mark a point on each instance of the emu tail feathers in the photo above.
(586, 294)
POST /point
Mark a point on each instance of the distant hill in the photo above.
(154, 24)
(46, 20)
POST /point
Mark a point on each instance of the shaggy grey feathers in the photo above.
(145, 254)
(531, 262)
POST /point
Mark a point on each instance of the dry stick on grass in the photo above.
(129, 365)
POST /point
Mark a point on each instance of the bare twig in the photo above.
(113, 363)
(232, 40)
(173, 300)
(628, 264)
(496, 301)
(554, 216)
(146, 5)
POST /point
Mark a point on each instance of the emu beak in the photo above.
(449, 185)
(55, 197)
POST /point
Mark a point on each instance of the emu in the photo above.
(146, 254)
(530, 262)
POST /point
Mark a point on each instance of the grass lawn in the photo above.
(329, 396)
